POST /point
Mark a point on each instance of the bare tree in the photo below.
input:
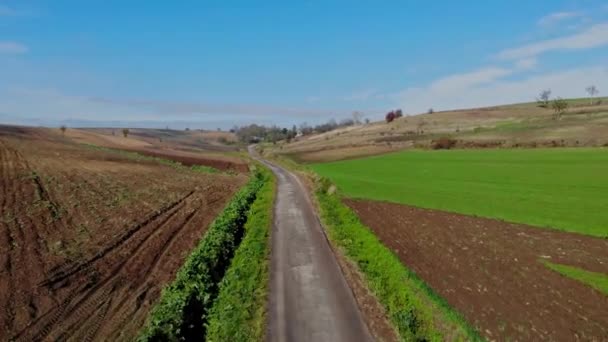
(366, 121)
(592, 91)
(543, 98)
(559, 106)
(357, 117)
(125, 132)
(430, 111)
(63, 128)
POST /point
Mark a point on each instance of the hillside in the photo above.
(516, 125)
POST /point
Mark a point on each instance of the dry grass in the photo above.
(523, 124)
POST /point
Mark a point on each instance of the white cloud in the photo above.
(7, 47)
(475, 78)
(568, 83)
(49, 105)
(595, 36)
(526, 63)
(554, 18)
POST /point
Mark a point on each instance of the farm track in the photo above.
(309, 298)
(87, 245)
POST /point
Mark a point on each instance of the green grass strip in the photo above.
(560, 188)
(598, 281)
(413, 308)
(184, 306)
(239, 313)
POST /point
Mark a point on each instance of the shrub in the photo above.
(444, 143)
(559, 106)
(184, 305)
(239, 312)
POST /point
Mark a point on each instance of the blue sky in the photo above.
(219, 63)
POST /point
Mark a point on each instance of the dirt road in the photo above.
(309, 297)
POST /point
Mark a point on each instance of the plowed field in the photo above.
(88, 238)
(493, 273)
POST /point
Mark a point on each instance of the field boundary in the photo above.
(245, 285)
(595, 280)
(416, 311)
(184, 306)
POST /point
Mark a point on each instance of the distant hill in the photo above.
(517, 125)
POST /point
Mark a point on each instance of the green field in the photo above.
(566, 189)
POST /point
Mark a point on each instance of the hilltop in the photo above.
(515, 125)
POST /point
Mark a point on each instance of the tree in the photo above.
(398, 113)
(559, 106)
(63, 128)
(543, 98)
(430, 111)
(357, 117)
(390, 116)
(592, 91)
(366, 121)
(125, 132)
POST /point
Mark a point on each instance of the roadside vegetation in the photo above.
(598, 281)
(239, 314)
(413, 308)
(185, 305)
(563, 189)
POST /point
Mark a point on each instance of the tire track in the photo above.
(71, 270)
(90, 302)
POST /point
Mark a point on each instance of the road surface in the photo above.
(309, 298)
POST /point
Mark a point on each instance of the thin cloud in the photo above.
(526, 63)
(595, 36)
(475, 78)
(7, 47)
(568, 83)
(46, 105)
(557, 17)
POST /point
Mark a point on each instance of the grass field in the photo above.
(559, 188)
(598, 281)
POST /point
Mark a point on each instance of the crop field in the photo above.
(509, 280)
(563, 189)
(495, 273)
(90, 237)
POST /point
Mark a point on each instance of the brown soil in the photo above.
(491, 271)
(88, 239)
(189, 159)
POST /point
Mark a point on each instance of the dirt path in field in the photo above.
(309, 297)
(491, 271)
